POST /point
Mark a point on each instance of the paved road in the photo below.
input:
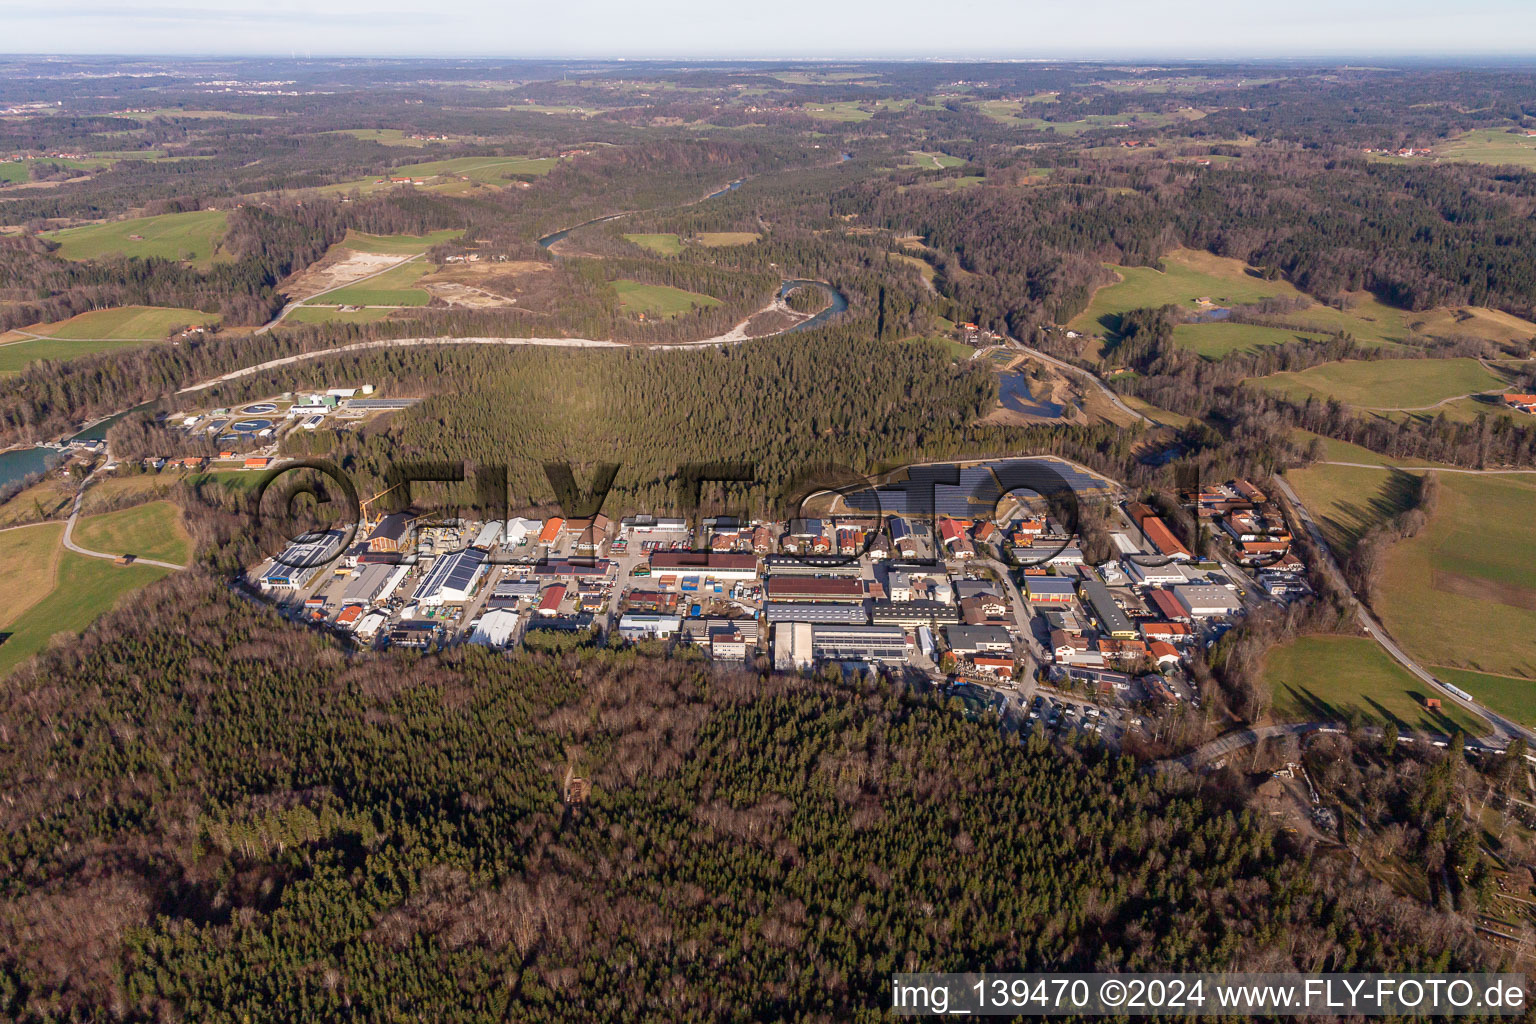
(734, 336)
(1421, 469)
(69, 543)
(1504, 730)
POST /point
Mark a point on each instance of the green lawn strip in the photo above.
(152, 530)
(86, 589)
(1325, 678)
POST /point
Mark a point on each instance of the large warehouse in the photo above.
(785, 611)
(301, 560)
(813, 589)
(1106, 613)
(1203, 600)
(711, 565)
(453, 578)
(373, 583)
(859, 643)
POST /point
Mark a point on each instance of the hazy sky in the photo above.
(809, 28)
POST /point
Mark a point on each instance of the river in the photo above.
(839, 303)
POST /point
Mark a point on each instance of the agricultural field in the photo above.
(948, 184)
(1188, 275)
(456, 176)
(1218, 340)
(488, 170)
(397, 245)
(14, 172)
(934, 161)
(152, 530)
(1191, 274)
(383, 136)
(852, 111)
(659, 299)
(332, 315)
(16, 355)
(393, 287)
(715, 239)
(200, 115)
(1462, 594)
(1513, 698)
(102, 330)
(1476, 322)
(1386, 383)
(1335, 450)
(171, 236)
(29, 557)
(663, 244)
(49, 498)
(1347, 501)
(124, 323)
(114, 492)
(1326, 678)
(1481, 146)
(83, 590)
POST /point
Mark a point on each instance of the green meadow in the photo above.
(171, 236)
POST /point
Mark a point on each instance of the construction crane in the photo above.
(363, 507)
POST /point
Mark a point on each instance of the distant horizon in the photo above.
(1354, 61)
(800, 30)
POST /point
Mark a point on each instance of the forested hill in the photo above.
(212, 817)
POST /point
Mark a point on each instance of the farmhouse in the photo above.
(1522, 403)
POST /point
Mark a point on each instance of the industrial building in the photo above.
(649, 627)
(373, 583)
(453, 578)
(1050, 589)
(913, 613)
(810, 565)
(718, 565)
(301, 560)
(812, 589)
(795, 612)
(699, 631)
(414, 633)
(976, 639)
(495, 628)
(792, 647)
(858, 643)
(1106, 613)
(1204, 600)
(388, 533)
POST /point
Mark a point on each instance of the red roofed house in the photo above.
(1169, 632)
(257, 463)
(994, 665)
(1525, 403)
(1163, 653)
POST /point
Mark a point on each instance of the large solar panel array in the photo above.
(931, 489)
(456, 572)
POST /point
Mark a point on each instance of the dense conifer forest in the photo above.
(212, 816)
